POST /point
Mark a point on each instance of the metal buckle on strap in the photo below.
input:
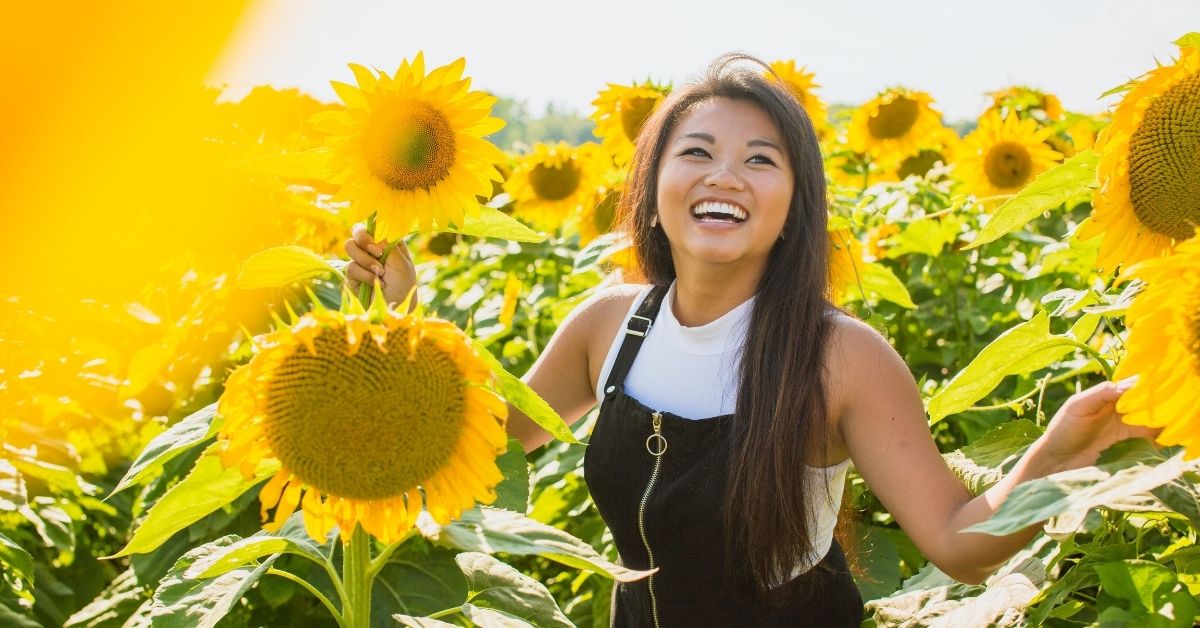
(634, 332)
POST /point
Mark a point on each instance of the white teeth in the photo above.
(719, 208)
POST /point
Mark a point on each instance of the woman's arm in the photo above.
(878, 414)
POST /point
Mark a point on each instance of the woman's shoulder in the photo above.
(857, 353)
(610, 304)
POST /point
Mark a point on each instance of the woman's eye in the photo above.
(762, 159)
(694, 150)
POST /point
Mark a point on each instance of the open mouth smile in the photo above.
(714, 211)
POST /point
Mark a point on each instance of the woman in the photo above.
(734, 395)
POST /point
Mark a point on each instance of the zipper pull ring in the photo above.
(656, 443)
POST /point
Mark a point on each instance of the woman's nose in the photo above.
(723, 176)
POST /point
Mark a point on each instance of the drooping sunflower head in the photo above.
(410, 146)
(620, 112)
(600, 215)
(1149, 171)
(893, 125)
(800, 83)
(372, 417)
(1000, 157)
(555, 182)
(1026, 102)
(937, 148)
(1164, 348)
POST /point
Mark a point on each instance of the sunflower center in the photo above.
(893, 119)
(367, 426)
(920, 163)
(1164, 162)
(634, 112)
(409, 145)
(1008, 165)
(555, 184)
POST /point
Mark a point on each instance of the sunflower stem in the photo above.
(356, 567)
(380, 561)
(364, 290)
(311, 589)
(1104, 364)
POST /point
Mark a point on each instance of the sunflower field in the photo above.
(204, 422)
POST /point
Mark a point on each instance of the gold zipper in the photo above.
(656, 444)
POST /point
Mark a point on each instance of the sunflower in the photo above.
(1026, 102)
(845, 262)
(620, 112)
(370, 415)
(600, 215)
(555, 182)
(1149, 171)
(1002, 156)
(893, 125)
(410, 146)
(1164, 348)
(801, 85)
(937, 147)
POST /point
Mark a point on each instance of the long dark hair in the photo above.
(779, 422)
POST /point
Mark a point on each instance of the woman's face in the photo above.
(724, 184)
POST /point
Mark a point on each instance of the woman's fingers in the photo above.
(365, 241)
(358, 275)
(361, 258)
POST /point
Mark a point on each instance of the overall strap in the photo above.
(635, 332)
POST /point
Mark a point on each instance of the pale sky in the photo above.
(564, 52)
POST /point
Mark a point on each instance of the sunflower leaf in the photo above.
(17, 561)
(983, 462)
(513, 491)
(501, 587)
(1191, 40)
(279, 266)
(183, 601)
(1073, 493)
(1024, 348)
(1050, 189)
(489, 530)
(187, 433)
(878, 281)
(292, 538)
(493, 223)
(494, 618)
(418, 579)
(523, 398)
(209, 487)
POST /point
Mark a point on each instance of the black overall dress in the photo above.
(666, 511)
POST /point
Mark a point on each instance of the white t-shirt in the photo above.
(693, 372)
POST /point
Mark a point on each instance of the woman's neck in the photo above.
(702, 295)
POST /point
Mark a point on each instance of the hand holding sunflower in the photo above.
(1085, 425)
(395, 271)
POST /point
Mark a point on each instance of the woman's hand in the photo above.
(397, 275)
(1087, 424)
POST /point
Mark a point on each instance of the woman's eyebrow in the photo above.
(700, 136)
(762, 142)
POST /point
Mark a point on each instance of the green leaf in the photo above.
(513, 491)
(186, 603)
(1140, 581)
(1073, 493)
(113, 606)
(207, 488)
(983, 462)
(506, 589)
(925, 236)
(17, 561)
(1026, 347)
(55, 475)
(1191, 40)
(489, 530)
(602, 248)
(292, 538)
(523, 398)
(421, 622)
(493, 223)
(1049, 190)
(880, 562)
(280, 266)
(878, 281)
(187, 433)
(418, 579)
(492, 618)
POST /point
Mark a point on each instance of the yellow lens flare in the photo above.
(373, 418)
(1149, 194)
(410, 146)
(1164, 348)
(620, 111)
